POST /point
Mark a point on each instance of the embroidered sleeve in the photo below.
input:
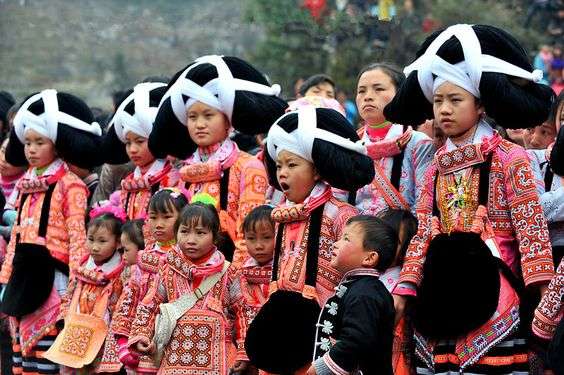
(252, 191)
(422, 156)
(240, 310)
(144, 324)
(126, 308)
(415, 255)
(66, 299)
(6, 271)
(74, 210)
(345, 213)
(528, 219)
(358, 337)
(549, 312)
(553, 205)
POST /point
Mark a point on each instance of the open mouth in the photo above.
(284, 186)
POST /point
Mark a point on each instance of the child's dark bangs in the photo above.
(162, 204)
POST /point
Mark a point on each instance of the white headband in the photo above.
(466, 74)
(47, 122)
(300, 141)
(218, 93)
(141, 122)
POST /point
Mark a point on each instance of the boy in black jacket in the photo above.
(355, 327)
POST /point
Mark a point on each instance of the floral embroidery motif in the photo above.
(77, 340)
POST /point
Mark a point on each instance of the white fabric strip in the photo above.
(300, 141)
(141, 122)
(468, 74)
(46, 123)
(218, 93)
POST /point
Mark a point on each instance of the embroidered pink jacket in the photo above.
(550, 310)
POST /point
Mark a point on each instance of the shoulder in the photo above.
(247, 161)
(70, 181)
(337, 209)
(509, 153)
(369, 288)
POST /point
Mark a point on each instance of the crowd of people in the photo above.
(211, 227)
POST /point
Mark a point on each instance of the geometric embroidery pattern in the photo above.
(76, 340)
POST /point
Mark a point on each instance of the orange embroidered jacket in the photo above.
(210, 336)
(66, 234)
(255, 280)
(550, 310)
(91, 282)
(247, 188)
(292, 263)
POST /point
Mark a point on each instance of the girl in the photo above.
(9, 174)
(258, 228)
(131, 125)
(309, 150)
(96, 288)
(203, 103)
(401, 156)
(208, 337)
(164, 209)
(132, 240)
(48, 237)
(405, 226)
(479, 198)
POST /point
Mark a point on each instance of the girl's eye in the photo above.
(292, 165)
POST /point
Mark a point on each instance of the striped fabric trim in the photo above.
(333, 366)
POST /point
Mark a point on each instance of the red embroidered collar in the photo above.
(302, 211)
(40, 184)
(465, 156)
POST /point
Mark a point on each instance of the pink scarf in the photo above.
(208, 164)
(290, 212)
(214, 264)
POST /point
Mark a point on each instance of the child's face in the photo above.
(7, 169)
(540, 137)
(455, 109)
(349, 252)
(296, 176)
(101, 243)
(39, 150)
(130, 249)
(161, 224)
(195, 241)
(137, 149)
(260, 242)
(206, 125)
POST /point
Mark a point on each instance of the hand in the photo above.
(311, 371)
(399, 305)
(146, 346)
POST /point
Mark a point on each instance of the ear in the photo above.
(370, 259)
(316, 176)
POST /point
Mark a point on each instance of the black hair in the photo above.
(75, 146)
(167, 200)
(108, 221)
(557, 154)
(260, 214)
(378, 237)
(134, 231)
(7, 101)
(559, 102)
(392, 71)
(513, 103)
(341, 168)
(397, 219)
(314, 81)
(252, 113)
(199, 213)
(118, 96)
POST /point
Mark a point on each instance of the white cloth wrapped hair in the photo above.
(46, 123)
(300, 141)
(433, 71)
(141, 122)
(218, 93)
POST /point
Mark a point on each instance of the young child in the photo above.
(132, 240)
(354, 330)
(96, 288)
(127, 140)
(48, 237)
(208, 337)
(479, 198)
(405, 225)
(309, 150)
(202, 105)
(164, 209)
(258, 228)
